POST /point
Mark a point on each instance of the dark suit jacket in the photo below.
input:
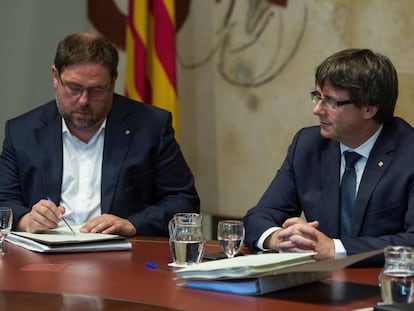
(145, 178)
(309, 179)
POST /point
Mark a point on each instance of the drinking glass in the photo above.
(230, 234)
(6, 219)
(397, 277)
(187, 242)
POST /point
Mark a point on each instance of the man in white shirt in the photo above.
(94, 157)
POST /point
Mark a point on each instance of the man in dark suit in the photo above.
(355, 96)
(95, 157)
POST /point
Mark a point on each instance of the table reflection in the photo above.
(19, 301)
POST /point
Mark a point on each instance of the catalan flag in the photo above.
(150, 54)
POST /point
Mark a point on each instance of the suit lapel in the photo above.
(118, 135)
(50, 155)
(330, 177)
(378, 162)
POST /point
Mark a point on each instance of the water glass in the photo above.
(396, 280)
(187, 242)
(230, 234)
(6, 220)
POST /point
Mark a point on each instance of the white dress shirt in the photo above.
(82, 171)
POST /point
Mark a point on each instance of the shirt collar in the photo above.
(65, 129)
(366, 147)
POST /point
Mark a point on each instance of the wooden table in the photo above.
(122, 281)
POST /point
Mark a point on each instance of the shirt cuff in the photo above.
(264, 236)
(340, 251)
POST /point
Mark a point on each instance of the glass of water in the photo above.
(6, 220)
(230, 234)
(397, 278)
(187, 242)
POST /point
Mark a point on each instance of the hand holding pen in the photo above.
(64, 220)
(43, 216)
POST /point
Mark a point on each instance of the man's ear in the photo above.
(370, 111)
(55, 76)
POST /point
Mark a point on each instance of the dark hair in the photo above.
(370, 79)
(83, 48)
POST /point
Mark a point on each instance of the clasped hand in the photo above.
(300, 236)
(46, 215)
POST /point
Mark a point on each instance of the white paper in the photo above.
(242, 266)
(267, 264)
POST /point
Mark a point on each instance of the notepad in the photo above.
(244, 266)
(63, 240)
(62, 235)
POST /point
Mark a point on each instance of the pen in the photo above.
(63, 218)
(153, 265)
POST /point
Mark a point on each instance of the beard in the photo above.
(81, 123)
(82, 118)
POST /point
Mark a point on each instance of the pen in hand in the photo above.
(67, 224)
(63, 218)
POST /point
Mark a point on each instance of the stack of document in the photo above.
(62, 240)
(262, 273)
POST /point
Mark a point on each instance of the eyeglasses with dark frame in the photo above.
(331, 103)
(94, 93)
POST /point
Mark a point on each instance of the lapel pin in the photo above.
(127, 132)
(380, 164)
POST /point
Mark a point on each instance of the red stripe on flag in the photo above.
(141, 81)
(164, 39)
